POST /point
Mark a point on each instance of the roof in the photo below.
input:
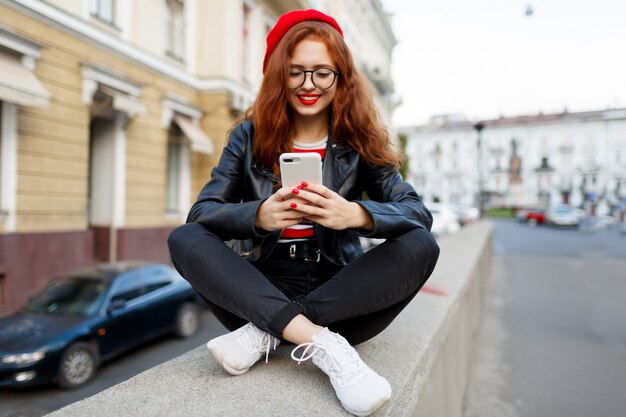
(106, 270)
(458, 122)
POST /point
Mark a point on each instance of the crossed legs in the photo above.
(358, 302)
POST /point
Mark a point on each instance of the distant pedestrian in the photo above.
(299, 273)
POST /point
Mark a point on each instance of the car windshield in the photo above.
(563, 210)
(76, 296)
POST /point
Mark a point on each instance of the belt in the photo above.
(302, 251)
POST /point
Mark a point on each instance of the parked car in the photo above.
(445, 221)
(563, 215)
(92, 315)
(532, 217)
(466, 214)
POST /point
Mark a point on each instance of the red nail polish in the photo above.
(299, 187)
(295, 191)
(293, 205)
(305, 184)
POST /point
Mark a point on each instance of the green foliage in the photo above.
(501, 212)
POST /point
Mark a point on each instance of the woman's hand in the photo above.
(331, 210)
(277, 212)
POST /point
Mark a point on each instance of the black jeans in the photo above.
(357, 301)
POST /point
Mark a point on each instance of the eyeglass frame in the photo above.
(335, 73)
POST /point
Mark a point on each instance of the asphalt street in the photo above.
(39, 401)
(553, 338)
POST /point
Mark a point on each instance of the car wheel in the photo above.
(532, 222)
(78, 365)
(187, 320)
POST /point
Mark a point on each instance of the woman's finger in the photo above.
(319, 189)
(283, 193)
(311, 197)
(311, 210)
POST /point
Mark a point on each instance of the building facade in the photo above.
(533, 160)
(112, 115)
(368, 33)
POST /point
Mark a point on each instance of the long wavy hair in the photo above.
(354, 119)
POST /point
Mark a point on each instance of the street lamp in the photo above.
(479, 128)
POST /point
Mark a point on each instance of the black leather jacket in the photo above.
(228, 203)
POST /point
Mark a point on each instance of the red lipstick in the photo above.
(308, 99)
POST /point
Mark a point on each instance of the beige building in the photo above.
(112, 114)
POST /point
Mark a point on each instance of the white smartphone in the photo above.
(298, 167)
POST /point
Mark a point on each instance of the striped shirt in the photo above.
(304, 230)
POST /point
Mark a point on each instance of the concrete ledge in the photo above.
(425, 355)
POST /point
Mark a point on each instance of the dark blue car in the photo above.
(89, 316)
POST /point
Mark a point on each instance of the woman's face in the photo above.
(308, 100)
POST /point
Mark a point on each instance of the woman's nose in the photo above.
(308, 82)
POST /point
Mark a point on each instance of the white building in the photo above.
(532, 160)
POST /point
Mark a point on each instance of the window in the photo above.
(8, 166)
(155, 279)
(185, 136)
(72, 295)
(104, 10)
(175, 29)
(246, 42)
(20, 88)
(589, 152)
(590, 158)
(128, 288)
(175, 156)
(268, 27)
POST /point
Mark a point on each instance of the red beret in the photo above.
(289, 20)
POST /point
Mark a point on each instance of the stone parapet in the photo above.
(425, 354)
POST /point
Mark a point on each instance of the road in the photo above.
(553, 337)
(38, 401)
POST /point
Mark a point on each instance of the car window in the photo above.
(128, 288)
(75, 295)
(156, 278)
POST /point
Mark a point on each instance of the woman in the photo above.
(300, 274)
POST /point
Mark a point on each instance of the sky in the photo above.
(487, 58)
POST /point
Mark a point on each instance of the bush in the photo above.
(501, 212)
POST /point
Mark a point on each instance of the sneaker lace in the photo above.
(254, 339)
(341, 363)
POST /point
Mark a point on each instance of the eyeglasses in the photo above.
(322, 78)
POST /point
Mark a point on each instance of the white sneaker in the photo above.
(237, 351)
(360, 390)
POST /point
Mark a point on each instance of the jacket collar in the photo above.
(343, 161)
(262, 170)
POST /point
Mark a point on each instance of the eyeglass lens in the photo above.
(322, 78)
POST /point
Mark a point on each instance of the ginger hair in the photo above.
(354, 119)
